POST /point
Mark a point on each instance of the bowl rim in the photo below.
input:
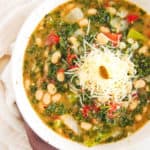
(28, 113)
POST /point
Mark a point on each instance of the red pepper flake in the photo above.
(131, 18)
(52, 39)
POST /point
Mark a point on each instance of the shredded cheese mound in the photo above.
(119, 68)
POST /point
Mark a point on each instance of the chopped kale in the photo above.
(103, 17)
(142, 64)
(33, 89)
(55, 109)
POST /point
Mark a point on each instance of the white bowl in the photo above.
(27, 111)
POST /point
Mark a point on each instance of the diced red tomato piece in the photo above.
(73, 66)
(85, 110)
(131, 18)
(61, 70)
(55, 117)
(106, 3)
(95, 108)
(115, 38)
(70, 57)
(52, 39)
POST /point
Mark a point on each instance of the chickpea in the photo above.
(46, 98)
(138, 117)
(56, 97)
(133, 105)
(92, 11)
(139, 84)
(56, 57)
(102, 39)
(60, 76)
(104, 29)
(83, 22)
(27, 84)
(39, 94)
(86, 126)
(52, 88)
(72, 39)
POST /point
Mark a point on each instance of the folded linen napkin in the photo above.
(12, 126)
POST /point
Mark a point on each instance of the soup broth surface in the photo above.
(87, 70)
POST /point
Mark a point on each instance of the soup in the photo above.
(87, 70)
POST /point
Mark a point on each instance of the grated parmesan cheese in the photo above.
(120, 69)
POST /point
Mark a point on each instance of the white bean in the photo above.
(92, 11)
(56, 97)
(46, 68)
(133, 105)
(139, 84)
(46, 98)
(39, 94)
(129, 40)
(143, 50)
(138, 117)
(83, 22)
(122, 45)
(104, 29)
(86, 126)
(102, 39)
(60, 76)
(145, 109)
(52, 88)
(27, 84)
(56, 57)
(111, 10)
(38, 41)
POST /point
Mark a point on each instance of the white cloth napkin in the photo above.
(12, 15)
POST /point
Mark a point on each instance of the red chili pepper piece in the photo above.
(131, 18)
(52, 39)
